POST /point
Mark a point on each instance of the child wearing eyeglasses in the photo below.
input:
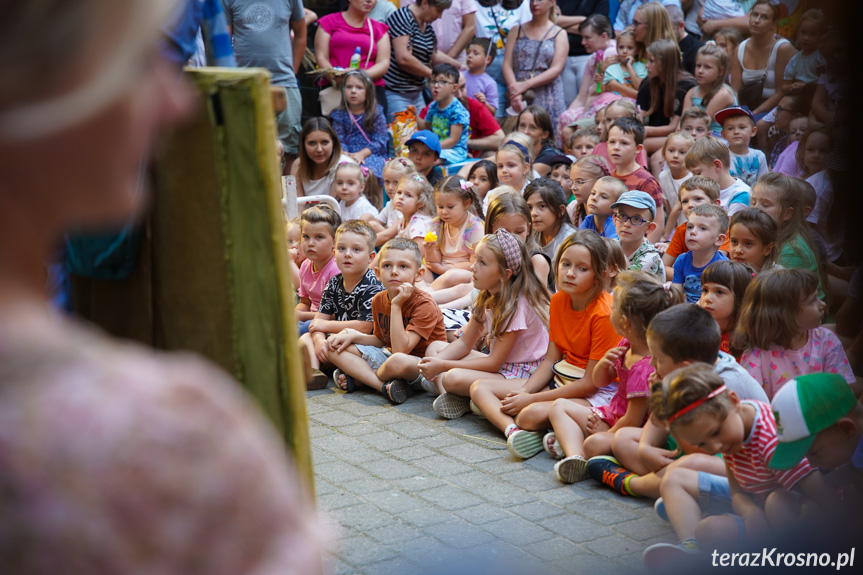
(633, 213)
(446, 116)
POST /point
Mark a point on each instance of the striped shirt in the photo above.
(421, 44)
(749, 465)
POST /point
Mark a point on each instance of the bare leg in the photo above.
(351, 362)
(452, 277)
(598, 444)
(569, 419)
(458, 381)
(624, 447)
(534, 417)
(679, 490)
(399, 366)
(487, 395)
(306, 340)
(449, 294)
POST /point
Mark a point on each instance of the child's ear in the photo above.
(638, 148)
(754, 131)
(717, 202)
(508, 273)
(717, 164)
(720, 240)
(847, 426)
(650, 227)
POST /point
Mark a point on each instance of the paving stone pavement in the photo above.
(403, 491)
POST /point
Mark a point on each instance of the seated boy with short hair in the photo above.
(709, 157)
(600, 219)
(706, 230)
(406, 320)
(424, 151)
(738, 129)
(625, 139)
(633, 219)
(346, 301)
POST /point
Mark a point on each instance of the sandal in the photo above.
(396, 391)
(350, 386)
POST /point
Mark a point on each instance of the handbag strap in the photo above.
(539, 46)
(357, 124)
(371, 42)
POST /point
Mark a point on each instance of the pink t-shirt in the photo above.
(773, 367)
(344, 40)
(749, 465)
(312, 283)
(633, 383)
(532, 340)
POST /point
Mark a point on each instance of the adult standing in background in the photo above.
(414, 53)
(494, 20)
(261, 34)
(455, 28)
(340, 33)
(758, 68)
(571, 13)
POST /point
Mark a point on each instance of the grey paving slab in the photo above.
(406, 492)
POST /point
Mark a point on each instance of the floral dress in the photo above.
(353, 137)
(527, 51)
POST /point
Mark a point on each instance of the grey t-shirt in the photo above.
(738, 379)
(262, 35)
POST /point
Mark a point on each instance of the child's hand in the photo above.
(656, 458)
(338, 342)
(479, 97)
(595, 424)
(321, 349)
(661, 247)
(610, 357)
(515, 401)
(609, 60)
(318, 325)
(430, 367)
(405, 292)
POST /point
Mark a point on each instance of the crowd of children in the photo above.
(631, 314)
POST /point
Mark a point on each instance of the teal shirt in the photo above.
(796, 253)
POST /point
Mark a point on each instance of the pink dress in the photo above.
(529, 350)
(633, 384)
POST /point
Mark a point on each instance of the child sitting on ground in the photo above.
(738, 129)
(625, 139)
(633, 219)
(511, 309)
(580, 333)
(547, 202)
(584, 173)
(677, 337)
(347, 298)
(709, 157)
(700, 410)
(780, 330)
(822, 421)
(706, 230)
(318, 233)
(560, 165)
(447, 117)
(752, 239)
(405, 319)
(580, 432)
(723, 285)
(394, 170)
(295, 252)
(354, 186)
(600, 219)
(695, 191)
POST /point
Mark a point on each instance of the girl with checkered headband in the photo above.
(510, 314)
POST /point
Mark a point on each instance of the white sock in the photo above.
(510, 429)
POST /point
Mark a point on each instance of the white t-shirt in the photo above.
(358, 208)
(488, 19)
(735, 197)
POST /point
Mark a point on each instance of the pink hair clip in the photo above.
(465, 184)
(365, 171)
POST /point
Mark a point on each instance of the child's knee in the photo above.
(558, 407)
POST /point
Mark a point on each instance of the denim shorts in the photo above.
(374, 356)
(714, 494)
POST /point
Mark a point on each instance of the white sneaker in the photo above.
(571, 469)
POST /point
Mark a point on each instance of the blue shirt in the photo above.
(608, 230)
(690, 276)
(442, 119)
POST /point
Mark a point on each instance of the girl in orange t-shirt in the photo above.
(580, 334)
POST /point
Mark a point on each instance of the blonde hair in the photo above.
(705, 150)
(617, 262)
(711, 50)
(615, 185)
(524, 140)
(524, 284)
(769, 312)
(369, 183)
(686, 136)
(510, 204)
(639, 296)
(360, 228)
(321, 214)
(685, 386)
(402, 166)
(425, 193)
(703, 183)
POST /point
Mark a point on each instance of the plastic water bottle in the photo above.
(355, 59)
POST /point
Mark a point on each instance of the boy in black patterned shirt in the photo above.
(347, 298)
